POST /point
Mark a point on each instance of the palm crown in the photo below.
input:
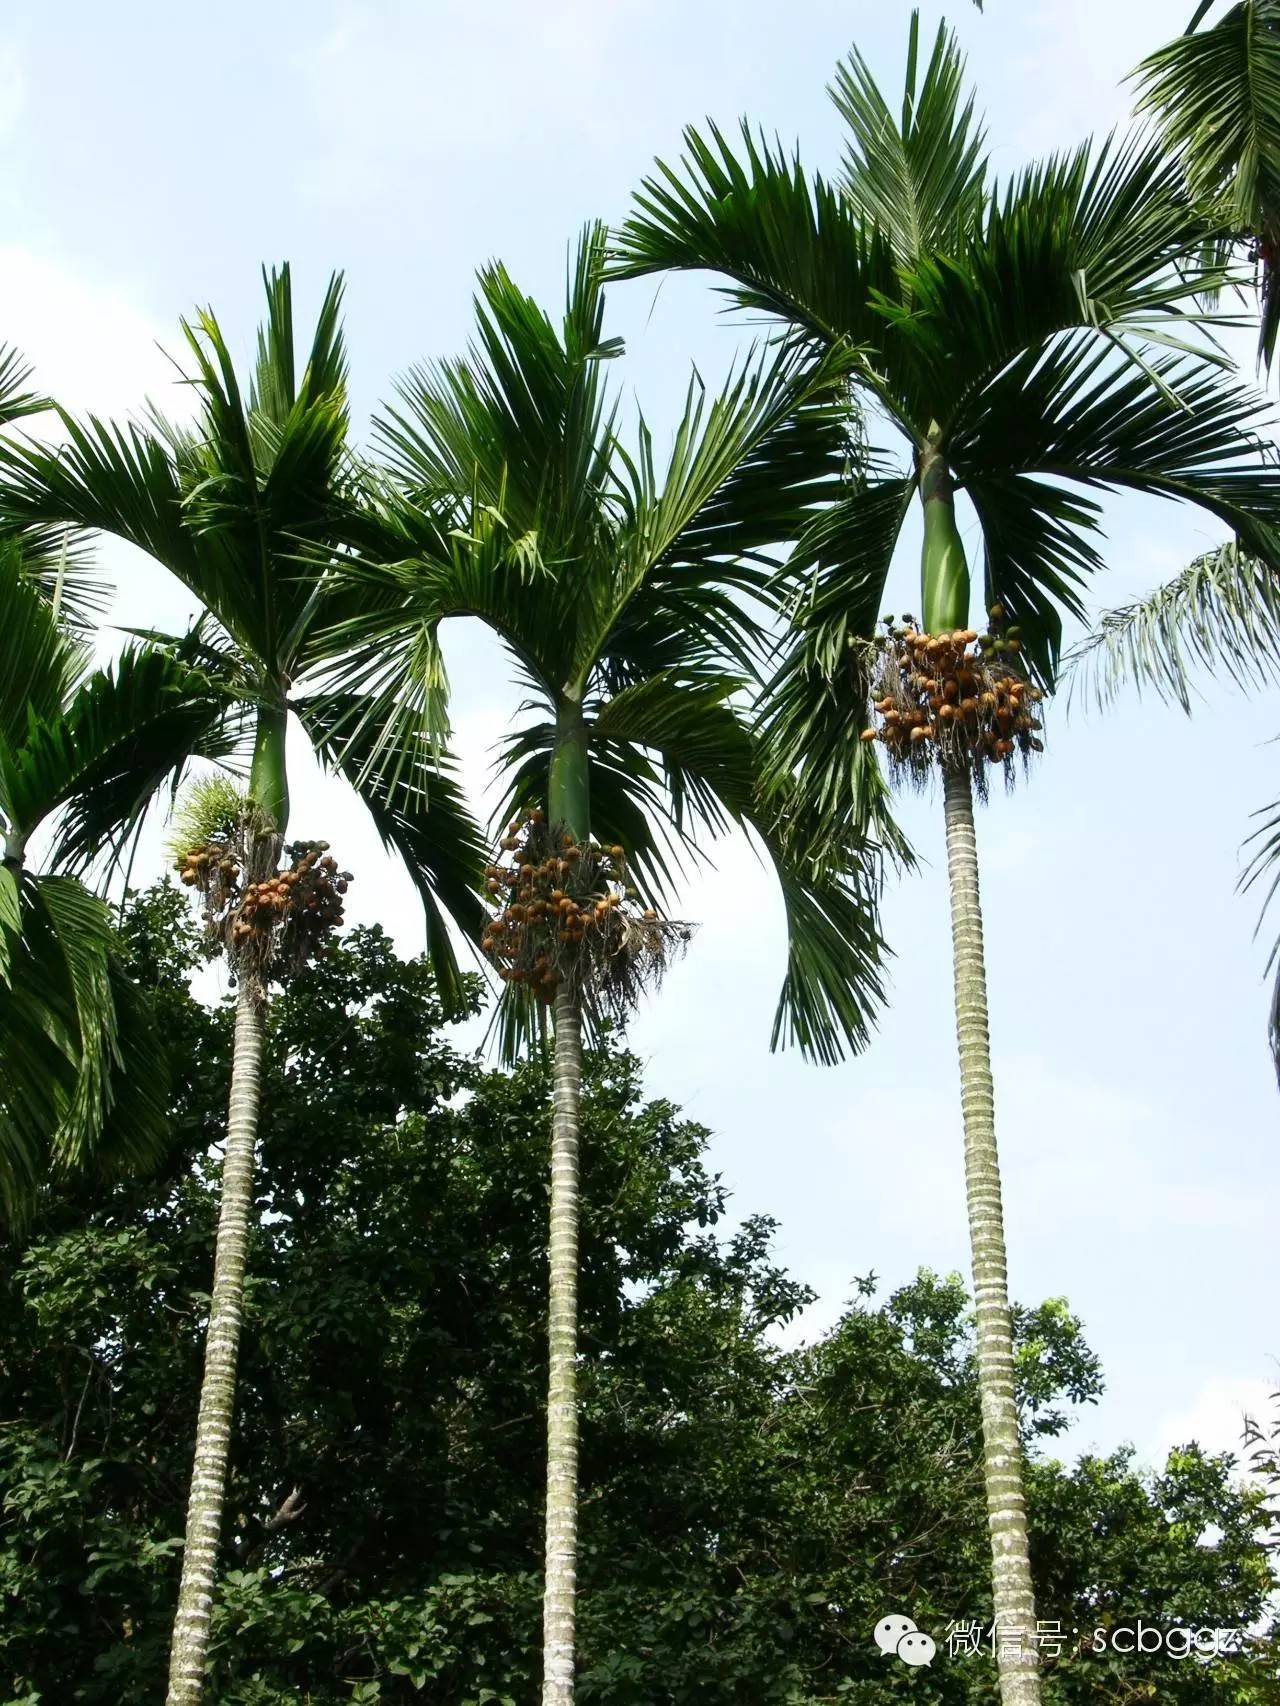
(619, 592)
(1029, 341)
(247, 507)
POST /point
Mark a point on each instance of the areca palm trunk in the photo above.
(560, 1601)
(568, 805)
(1013, 1599)
(946, 607)
(269, 811)
(222, 1347)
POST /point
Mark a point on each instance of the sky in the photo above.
(153, 157)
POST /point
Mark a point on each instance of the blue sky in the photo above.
(152, 158)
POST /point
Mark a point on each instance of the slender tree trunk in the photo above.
(1012, 1596)
(217, 1392)
(560, 1601)
(568, 808)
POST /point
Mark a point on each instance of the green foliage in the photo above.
(628, 598)
(1012, 330)
(209, 808)
(749, 1510)
(246, 507)
(1216, 95)
(82, 1076)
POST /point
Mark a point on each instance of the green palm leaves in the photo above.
(1040, 339)
(82, 1077)
(623, 590)
(248, 507)
(1216, 96)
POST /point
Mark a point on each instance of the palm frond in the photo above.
(791, 248)
(129, 731)
(16, 399)
(1221, 615)
(817, 701)
(713, 764)
(922, 179)
(1078, 414)
(1216, 95)
(695, 555)
(419, 811)
(234, 505)
(82, 1072)
(1264, 863)
(39, 663)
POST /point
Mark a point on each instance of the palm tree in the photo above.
(617, 592)
(83, 1077)
(1010, 336)
(1215, 94)
(245, 508)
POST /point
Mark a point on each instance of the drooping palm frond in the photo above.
(674, 766)
(83, 1076)
(1077, 416)
(55, 559)
(88, 752)
(1264, 864)
(418, 809)
(1216, 95)
(1221, 615)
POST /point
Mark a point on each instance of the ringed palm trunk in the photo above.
(222, 1346)
(568, 804)
(1013, 1599)
(946, 607)
(188, 1653)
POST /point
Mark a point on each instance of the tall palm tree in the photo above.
(618, 592)
(246, 507)
(82, 1074)
(1215, 93)
(1010, 336)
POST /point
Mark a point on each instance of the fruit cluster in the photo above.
(562, 914)
(306, 899)
(279, 921)
(960, 698)
(213, 869)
